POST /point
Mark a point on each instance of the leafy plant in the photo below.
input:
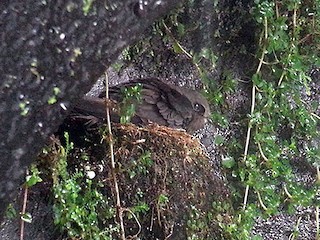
(141, 165)
(11, 212)
(33, 178)
(79, 207)
(279, 85)
(131, 97)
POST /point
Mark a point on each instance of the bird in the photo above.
(161, 103)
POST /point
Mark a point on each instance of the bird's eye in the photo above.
(198, 108)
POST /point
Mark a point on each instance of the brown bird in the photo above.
(161, 103)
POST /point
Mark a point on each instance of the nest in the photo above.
(166, 169)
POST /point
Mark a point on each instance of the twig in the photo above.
(262, 153)
(137, 221)
(296, 230)
(181, 47)
(261, 202)
(286, 191)
(245, 200)
(315, 115)
(317, 222)
(24, 207)
(151, 222)
(113, 166)
(295, 18)
(171, 232)
(277, 9)
(253, 102)
(281, 77)
(253, 99)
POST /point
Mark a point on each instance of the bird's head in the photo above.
(200, 111)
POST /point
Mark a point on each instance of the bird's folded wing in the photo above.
(160, 104)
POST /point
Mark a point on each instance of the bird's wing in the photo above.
(164, 104)
(161, 103)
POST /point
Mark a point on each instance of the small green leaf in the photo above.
(219, 140)
(27, 217)
(228, 162)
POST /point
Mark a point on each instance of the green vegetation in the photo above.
(53, 98)
(141, 165)
(87, 4)
(34, 177)
(280, 119)
(79, 206)
(131, 96)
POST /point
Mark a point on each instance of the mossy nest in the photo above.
(163, 169)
